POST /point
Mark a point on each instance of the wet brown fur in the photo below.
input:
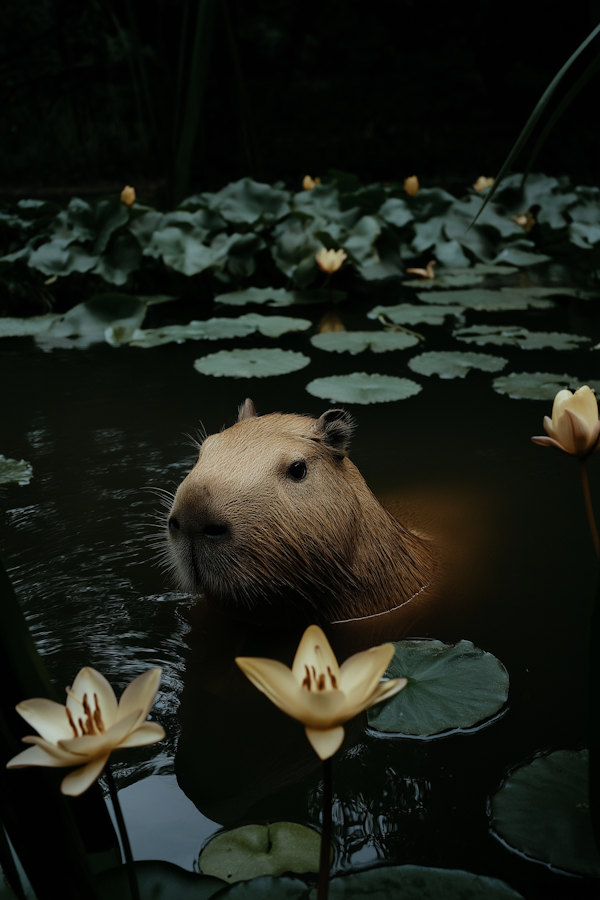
(322, 546)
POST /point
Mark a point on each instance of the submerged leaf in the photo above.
(543, 811)
(15, 470)
(453, 364)
(449, 687)
(255, 850)
(359, 387)
(533, 385)
(516, 336)
(256, 363)
(357, 341)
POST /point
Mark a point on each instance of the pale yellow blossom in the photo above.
(330, 260)
(574, 426)
(483, 183)
(128, 195)
(411, 185)
(309, 183)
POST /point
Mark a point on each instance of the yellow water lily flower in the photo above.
(526, 221)
(128, 195)
(482, 183)
(318, 692)
(411, 185)
(91, 725)
(309, 183)
(574, 426)
(330, 260)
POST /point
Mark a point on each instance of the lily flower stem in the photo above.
(588, 504)
(325, 857)
(112, 789)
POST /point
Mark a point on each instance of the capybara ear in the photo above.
(246, 410)
(335, 429)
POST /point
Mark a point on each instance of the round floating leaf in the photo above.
(516, 336)
(268, 888)
(256, 363)
(532, 385)
(449, 687)
(279, 296)
(447, 280)
(217, 329)
(517, 257)
(543, 811)
(13, 327)
(15, 470)
(157, 879)
(452, 364)
(359, 387)
(419, 883)
(487, 300)
(87, 322)
(255, 850)
(357, 341)
(409, 314)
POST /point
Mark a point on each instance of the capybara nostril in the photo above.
(173, 524)
(214, 531)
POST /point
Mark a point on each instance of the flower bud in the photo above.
(128, 195)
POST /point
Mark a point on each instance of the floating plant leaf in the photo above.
(268, 888)
(361, 240)
(418, 883)
(584, 235)
(396, 212)
(358, 341)
(516, 336)
(484, 299)
(256, 363)
(15, 470)
(13, 327)
(61, 257)
(249, 201)
(453, 364)
(532, 385)
(122, 257)
(410, 314)
(158, 880)
(543, 811)
(257, 295)
(449, 687)
(447, 280)
(220, 328)
(86, 323)
(359, 387)
(255, 850)
(515, 256)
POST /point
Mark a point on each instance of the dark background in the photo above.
(382, 89)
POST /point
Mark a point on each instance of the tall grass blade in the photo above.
(534, 118)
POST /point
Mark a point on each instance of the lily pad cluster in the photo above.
(379, 227)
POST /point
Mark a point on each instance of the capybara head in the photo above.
(275, 516)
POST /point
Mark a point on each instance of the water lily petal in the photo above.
(146, 733)
(387, 689)
(585, 404)
(325, 742)
(563, 430)
(91, 682)
(79, 781)
(65, 757)
(365, 669)
(562, 399)
(47, 717)
(322, 709)
(547, 442)
(307, 654)
(584, 435)
(93, 745)
(276, 681)
(140, 694)
(36, 756)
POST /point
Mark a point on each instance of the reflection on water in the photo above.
(517, 571)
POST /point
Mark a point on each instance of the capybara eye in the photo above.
(297, 470)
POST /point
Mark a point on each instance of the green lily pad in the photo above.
(256, 295)
(216, 329)
(359, 387)
(13, 327)
(255, 363)
(247, 201)
(419, 883)
(255, 850)
(15, 470)
(543, 811)
(410, 314)
(449, 687)
(533, 385)
(358, 341)
(515, 256)
(488, 300)
(453, 364)
(396, 212)
(62, 257)
(87, 322)
(515, 336)
(158, 880)
(447, 280)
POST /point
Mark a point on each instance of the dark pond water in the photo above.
(103, 426)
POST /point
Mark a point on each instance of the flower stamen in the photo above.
(98, 716)
(306, 682)
(332, 678)
(71, 722)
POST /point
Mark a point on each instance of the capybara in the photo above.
(275, 518)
